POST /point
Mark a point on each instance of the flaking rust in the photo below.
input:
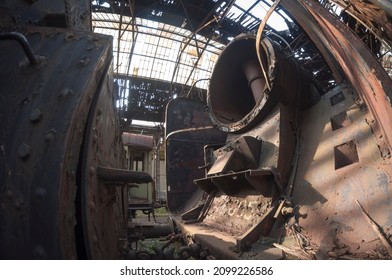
(323, 153)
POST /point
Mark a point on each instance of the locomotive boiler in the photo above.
(62, 177)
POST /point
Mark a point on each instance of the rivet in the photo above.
(39, 252)
(65, 92)
(92, 171)
(18, 205)
(35, 115)
(10, 194)
(84, 61)
(50, 136)
(92, 205)
(40, 193)
(24, 151)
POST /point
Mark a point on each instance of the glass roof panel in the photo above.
(159, 50)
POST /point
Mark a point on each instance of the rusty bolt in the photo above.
(65, 92)
(83, 61)
(50, 136)
(10, 194)
(18, 205)
(39, 252)
(35, 115)
(24, 151)
(92, 205)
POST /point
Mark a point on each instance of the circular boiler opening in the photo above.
(237, 84)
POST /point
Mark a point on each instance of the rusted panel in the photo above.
(362, 69)
(233, 182)
(339, 46)
(78, 14)
(329, 182)
(183, 113)
(188, 131)
(43, 119)
(242, 154)
(184, 155)
(103, 217)
(73, 14)
(258, 230)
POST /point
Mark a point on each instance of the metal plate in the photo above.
(104, 213)
(329, 183)
(188, 131)
(43, 115)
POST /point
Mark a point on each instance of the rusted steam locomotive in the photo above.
(271, 163)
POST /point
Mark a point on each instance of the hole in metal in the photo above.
(339, 120)
(345, 154)
(337, 98)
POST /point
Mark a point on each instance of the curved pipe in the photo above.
(21, 39)
(239, 96)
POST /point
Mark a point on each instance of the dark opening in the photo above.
(339, 120)
(337, 98)
(346, 154)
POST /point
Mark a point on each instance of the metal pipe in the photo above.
(21, 39)
(113, 175)
(254, 75)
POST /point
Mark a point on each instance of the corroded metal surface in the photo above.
(236, 103)
(104, 208)
(43, 116)
(337, 167)
(122, 177)
(73, 14)
(185, 148)
(341, 48)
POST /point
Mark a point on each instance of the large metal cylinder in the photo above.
(239, 96)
